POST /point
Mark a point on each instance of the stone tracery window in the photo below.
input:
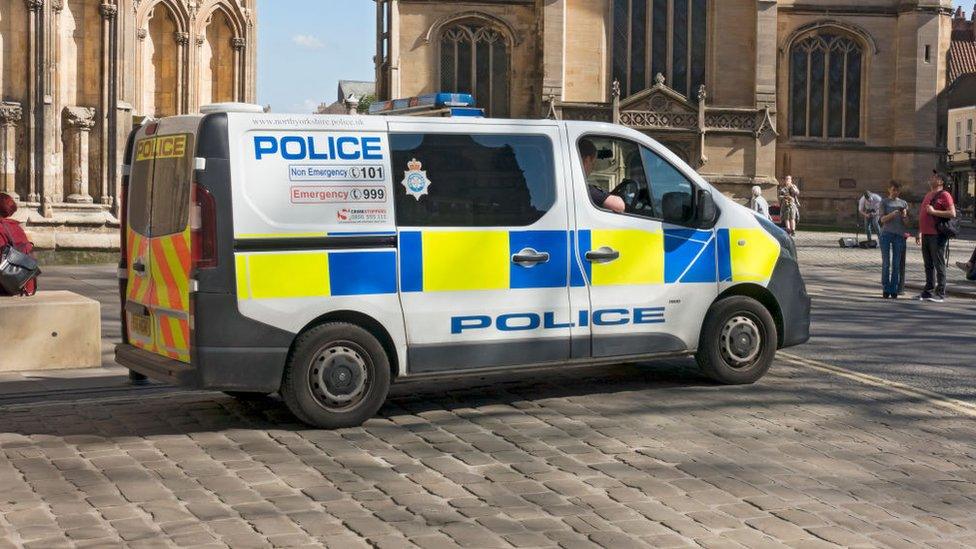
(826, 73)
(475, 59)
(666, 37)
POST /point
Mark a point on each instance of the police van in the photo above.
(325, 257)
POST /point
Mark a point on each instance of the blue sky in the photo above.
(306, 46)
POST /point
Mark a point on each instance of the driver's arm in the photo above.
(608, 201)
(615, 204)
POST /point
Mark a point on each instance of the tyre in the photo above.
(738, 341)
(338, 375)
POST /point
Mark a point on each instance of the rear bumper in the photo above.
(246, 369)
(155, 366)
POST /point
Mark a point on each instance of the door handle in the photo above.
(139, 267)
(529, 257)
(605, 254)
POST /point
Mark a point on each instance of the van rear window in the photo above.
(485, 180)
(163, 169)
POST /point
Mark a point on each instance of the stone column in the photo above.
(197, 77)
(140, 84)
(10, 115)
(78, 123)
(109, 13)
(553, 48)
(238, 44)
(182, 39)
(34, 16)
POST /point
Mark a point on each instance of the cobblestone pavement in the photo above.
(622, 456)
(821, 251)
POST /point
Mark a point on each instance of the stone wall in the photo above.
(564, 68)
(75, 74)
(901, 104)
(419, 40)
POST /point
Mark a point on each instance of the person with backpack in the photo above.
(16, 253)
(934, 230)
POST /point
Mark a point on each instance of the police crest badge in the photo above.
(415, 179)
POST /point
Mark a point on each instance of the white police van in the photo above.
(324, 257)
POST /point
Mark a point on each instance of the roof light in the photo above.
(434, 104)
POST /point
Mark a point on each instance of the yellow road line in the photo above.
(929, 396)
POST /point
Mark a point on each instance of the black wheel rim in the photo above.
(339, 376)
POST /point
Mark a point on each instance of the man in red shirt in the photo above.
(936, 205)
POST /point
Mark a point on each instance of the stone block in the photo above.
(87, 241)
(50, 331)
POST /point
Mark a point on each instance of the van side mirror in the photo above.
(707, 212)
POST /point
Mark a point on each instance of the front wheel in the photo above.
(738, 341)
(338, 375)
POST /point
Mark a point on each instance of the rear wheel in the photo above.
(338, 375)
(738, 341)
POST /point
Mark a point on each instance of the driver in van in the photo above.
(600, 197)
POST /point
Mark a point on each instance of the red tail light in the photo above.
(124, 221)
(203, 229)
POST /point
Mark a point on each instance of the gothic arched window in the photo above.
(652, 37)
(825, 87)
(474, 59)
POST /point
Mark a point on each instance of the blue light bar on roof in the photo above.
(423, 102)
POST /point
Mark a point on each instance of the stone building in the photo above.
(76, 74)
(845, 96)
(961, 96)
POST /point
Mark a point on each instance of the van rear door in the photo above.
(159, 210)
(139, 288)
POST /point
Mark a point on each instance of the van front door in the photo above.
(483, 245)
(651, 276)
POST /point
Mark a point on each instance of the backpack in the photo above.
(948, 228)
(17, 267)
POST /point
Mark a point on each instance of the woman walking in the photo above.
(789, 204)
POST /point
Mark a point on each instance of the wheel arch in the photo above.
(765, 298)
(365, 322)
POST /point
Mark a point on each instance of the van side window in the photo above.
(672, 194)
(460, 180)
(649, 186)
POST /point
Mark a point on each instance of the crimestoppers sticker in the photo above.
(415, 180)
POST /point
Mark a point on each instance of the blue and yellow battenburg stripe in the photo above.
(459, 261)
(315, 274)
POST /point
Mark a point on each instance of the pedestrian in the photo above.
(869, 207)
(758, 203)
(11, 234)
(789, 204)
(937, 205)
(969, 267)
(893, 215)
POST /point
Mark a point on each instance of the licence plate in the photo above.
(140, 325)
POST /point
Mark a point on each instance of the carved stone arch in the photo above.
(177, 10)
(433, 33)
(234, 15)
(855, 31)
(222, 37)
